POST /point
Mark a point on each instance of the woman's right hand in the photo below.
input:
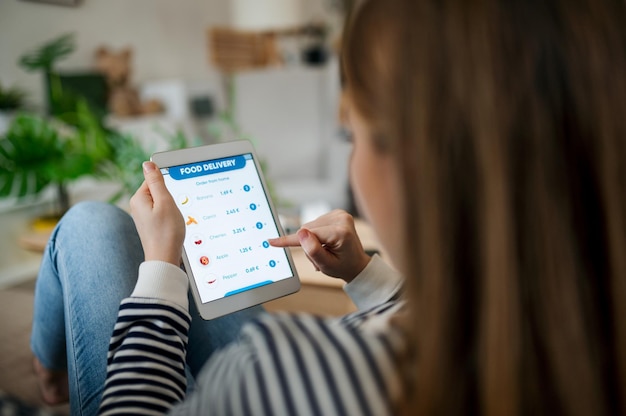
(331, 244)
(159, 222)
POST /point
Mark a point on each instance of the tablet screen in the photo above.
(228, 221)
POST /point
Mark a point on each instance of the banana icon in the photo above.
(186, 200)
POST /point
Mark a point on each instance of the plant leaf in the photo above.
(47, 54)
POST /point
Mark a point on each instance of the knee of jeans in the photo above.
(94, 213)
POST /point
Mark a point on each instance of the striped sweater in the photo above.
(283, 364)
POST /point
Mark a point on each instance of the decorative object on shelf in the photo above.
(235, 50)
(123, 98)
(11, 101)
(252, 38)
(315, 50)
(84, 84)
(43, 59)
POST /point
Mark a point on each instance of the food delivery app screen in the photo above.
(228, 220)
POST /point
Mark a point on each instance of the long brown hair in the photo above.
(508, 122)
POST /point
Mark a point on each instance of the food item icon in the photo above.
(191, 220)
(211, 280)
(183, 200)
(197, 239)
(204, 260)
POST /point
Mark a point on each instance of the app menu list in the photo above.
(229, 221)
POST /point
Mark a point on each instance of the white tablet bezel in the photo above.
(251, 297)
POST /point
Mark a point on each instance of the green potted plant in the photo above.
(36, 153)
(40, 152)
(125, 164)
(43, 59)
(64, 89)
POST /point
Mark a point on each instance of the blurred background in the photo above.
(90, 88)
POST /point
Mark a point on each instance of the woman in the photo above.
(488, 149)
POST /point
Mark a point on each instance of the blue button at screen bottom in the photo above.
(244, 289)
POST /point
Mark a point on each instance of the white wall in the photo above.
(292, 116)
(168, 37)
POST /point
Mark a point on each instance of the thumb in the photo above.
(154, 180)
(311, 245)
(314, 249)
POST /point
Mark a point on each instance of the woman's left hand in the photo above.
(159, 223)
(331, 243)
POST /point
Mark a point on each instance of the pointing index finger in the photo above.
(290, 240)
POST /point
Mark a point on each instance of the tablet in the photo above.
(222, 195)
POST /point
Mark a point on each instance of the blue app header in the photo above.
(206, 168)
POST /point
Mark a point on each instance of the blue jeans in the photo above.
(89, 266)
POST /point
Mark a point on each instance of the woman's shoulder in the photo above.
(298, 364)
(355, 358)
(364, 330)
(373, 323)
